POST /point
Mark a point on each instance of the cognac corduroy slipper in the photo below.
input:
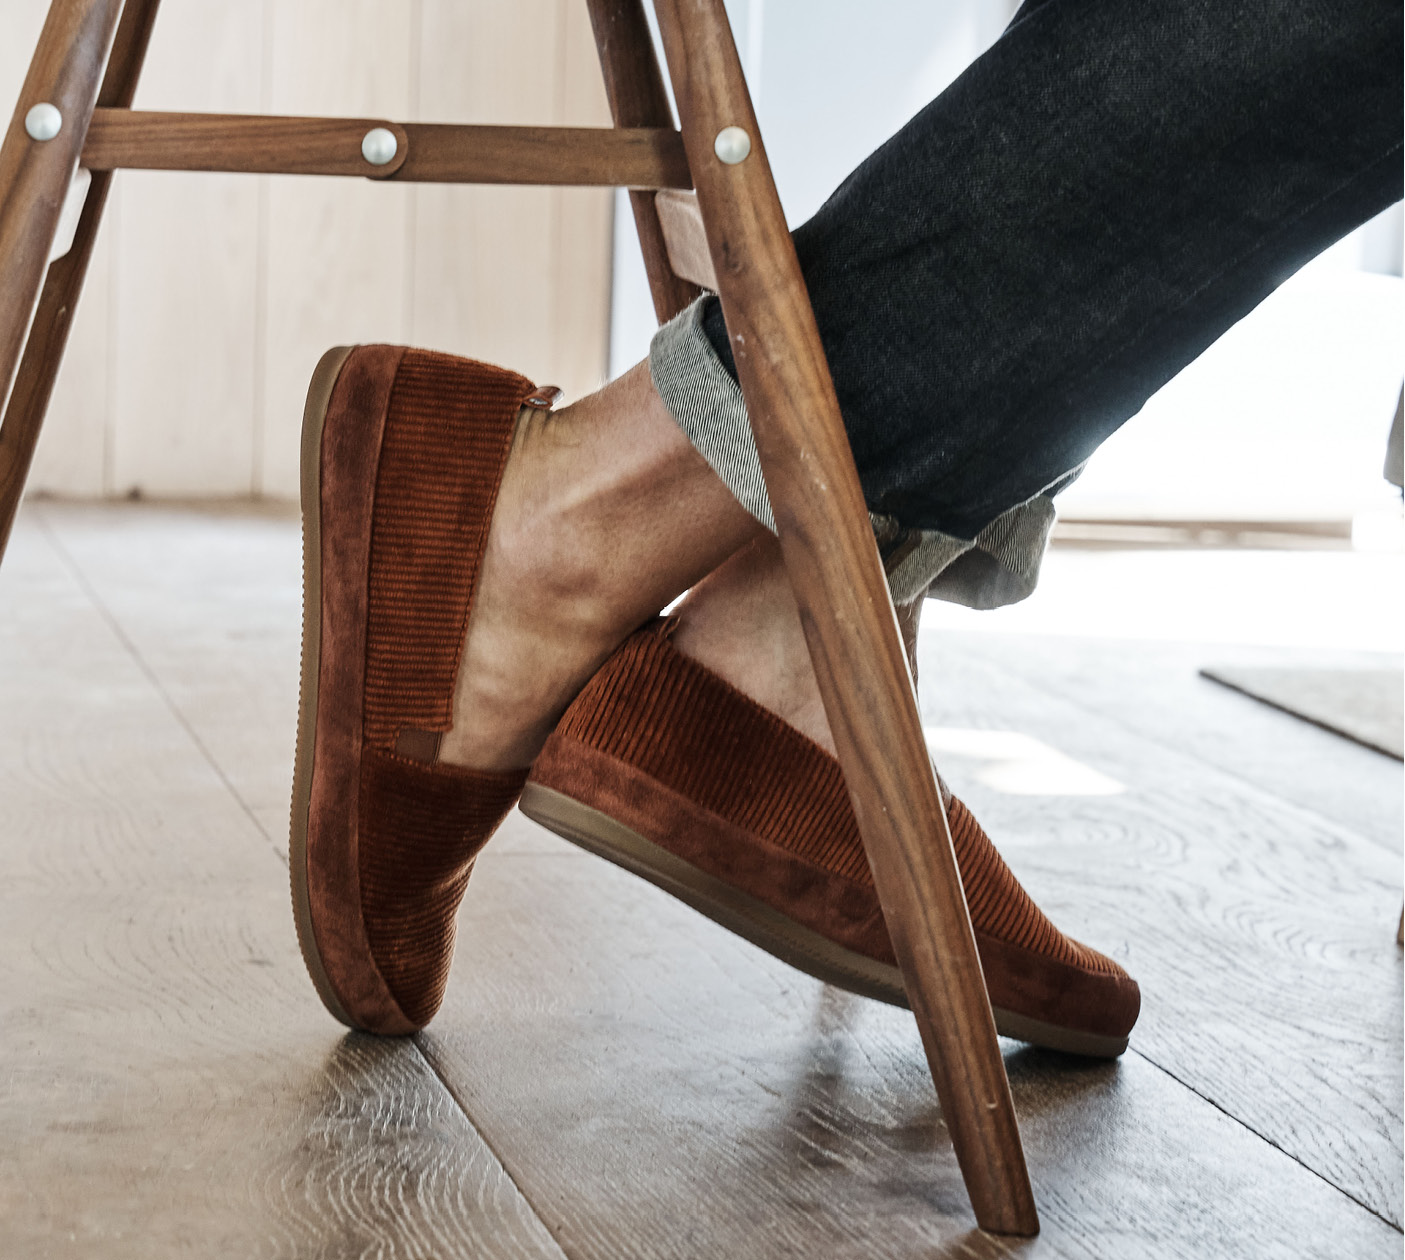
(402, 455)
(669, 771)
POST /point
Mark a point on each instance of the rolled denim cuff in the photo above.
(999, 566)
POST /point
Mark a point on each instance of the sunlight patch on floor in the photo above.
(1018, 764)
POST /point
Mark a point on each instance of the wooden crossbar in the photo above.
(618, 157)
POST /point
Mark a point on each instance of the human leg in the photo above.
(605, 515)
(892, 273)
(1104, 192)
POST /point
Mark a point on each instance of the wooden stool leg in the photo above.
(637, 99)
(838, 581)
(34, 178)
(48, 333)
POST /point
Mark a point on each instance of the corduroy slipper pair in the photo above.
(658, 765)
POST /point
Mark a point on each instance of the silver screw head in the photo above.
(732, 145)
(43, 122)
(379, 146)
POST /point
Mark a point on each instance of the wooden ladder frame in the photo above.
(731, 236)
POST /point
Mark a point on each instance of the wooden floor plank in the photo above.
(661, 1089)
(658, 1088)
(1261, 933)
(171, 1086)
(1155, 690)
(210, 598)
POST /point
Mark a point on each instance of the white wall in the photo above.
(830, 81)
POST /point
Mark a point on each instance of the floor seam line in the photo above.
(1263, 1137)
(449, 1089)
(120, 634)
(150, 674)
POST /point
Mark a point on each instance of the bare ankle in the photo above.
(742, 623)
(605, 514)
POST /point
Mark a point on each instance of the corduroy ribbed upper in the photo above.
(447, 438)
(687, 728)
(421, 827)
(448, 430)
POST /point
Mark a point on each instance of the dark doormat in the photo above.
(1363, 704)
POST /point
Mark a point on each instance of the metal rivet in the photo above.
(732, 145)
(379, 146)
(43, 122)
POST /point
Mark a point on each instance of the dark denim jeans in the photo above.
(1096, 199)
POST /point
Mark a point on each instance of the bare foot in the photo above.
(606, 514)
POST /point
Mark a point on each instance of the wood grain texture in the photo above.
(1259, 931)
(209, 596)
(482, 260)
(442, 153)
(489, 267)
(185, 310)
(172, 1087)
(658, 1088)
(686, 238)
(634, 157)
(191, 587)
(187, 362)
(634, 85)
(76, 453)
(835, 572)
(335, 252)
(1154, 691)
(580, 311)
(66, 72)
(72, 448)
(1367, 705)
(671, 1092)
(168, 140)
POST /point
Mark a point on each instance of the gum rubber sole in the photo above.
(768, 929)
(319, 396)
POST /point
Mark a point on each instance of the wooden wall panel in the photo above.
(186, 275)
(211, 297)
(75, 449)
(498, 269)
(336, 249)
(584, 218)
(483, 255)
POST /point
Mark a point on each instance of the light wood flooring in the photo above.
(613, 1076)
